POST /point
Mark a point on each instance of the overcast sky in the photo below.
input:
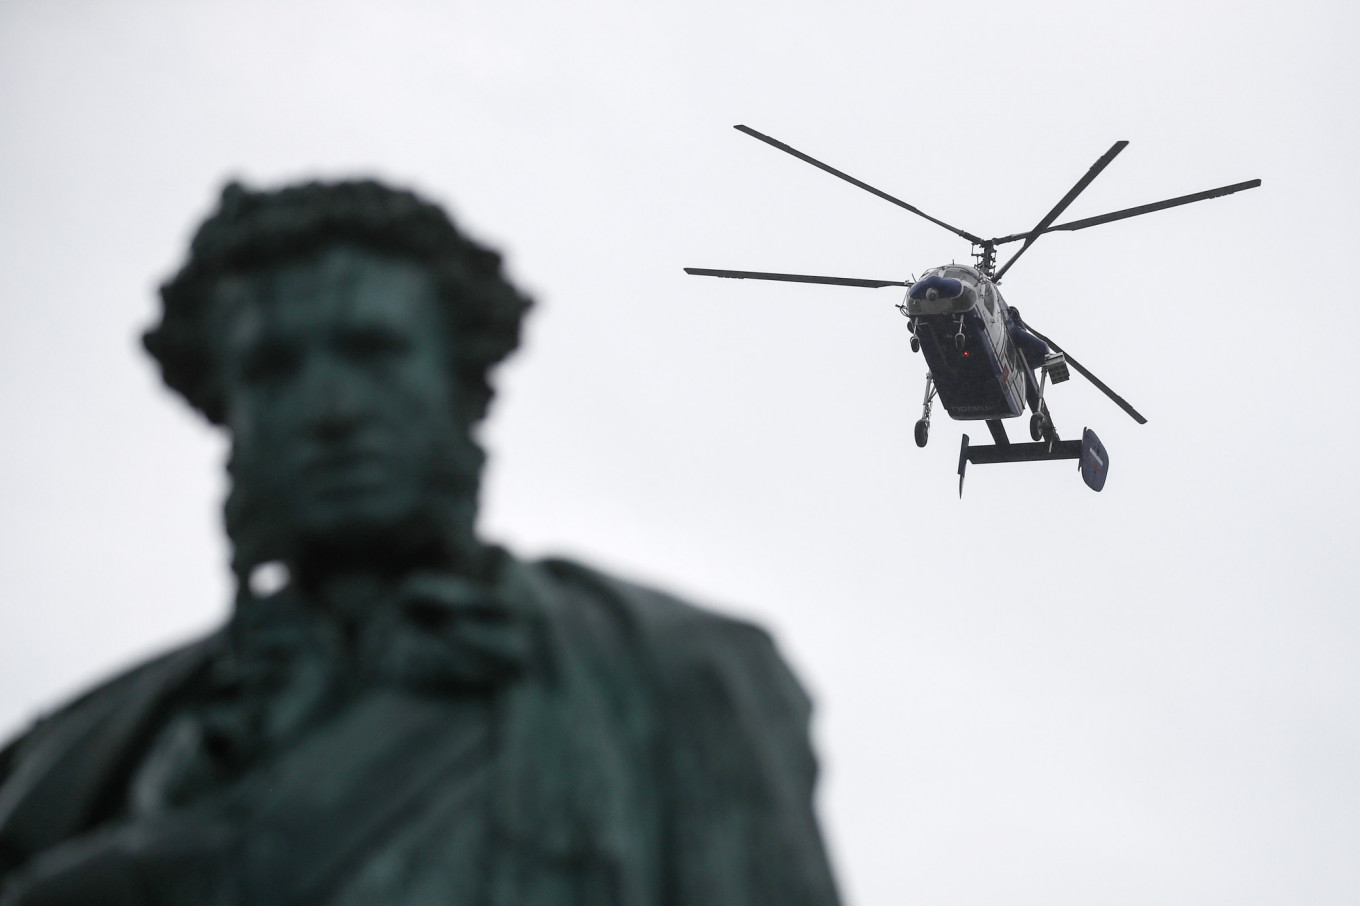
(1035, 695)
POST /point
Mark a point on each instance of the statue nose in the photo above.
(334, 398)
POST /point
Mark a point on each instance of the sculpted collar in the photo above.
(283, 665)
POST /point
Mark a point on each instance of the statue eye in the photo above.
(372, 343)
(270, 360)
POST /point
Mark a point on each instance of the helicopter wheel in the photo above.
(922, 432)
(1036, 426)
(959, 340)
(915, 345)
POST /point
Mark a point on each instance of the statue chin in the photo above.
(318, 530)
(388, 541)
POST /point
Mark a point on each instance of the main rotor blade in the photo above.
(1134, 212)
(1062, 205)
(794, 278)
(855, 182)
(1119, 400)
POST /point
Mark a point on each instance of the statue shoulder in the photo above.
(737, 765)
(689, 648)
(141, 683)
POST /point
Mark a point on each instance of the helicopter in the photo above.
(984, 362)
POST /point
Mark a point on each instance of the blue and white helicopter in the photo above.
(984, 362)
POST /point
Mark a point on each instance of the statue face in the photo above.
(340, 398)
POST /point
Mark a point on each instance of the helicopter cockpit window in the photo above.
(961, 273)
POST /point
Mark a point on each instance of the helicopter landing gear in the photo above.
(960, 339)
(915, 344)
(923, 426)
(1036, 427)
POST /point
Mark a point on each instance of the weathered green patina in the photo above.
(406, 714)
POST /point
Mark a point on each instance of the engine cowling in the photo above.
(938, 295)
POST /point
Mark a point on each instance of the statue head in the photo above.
(343, 334)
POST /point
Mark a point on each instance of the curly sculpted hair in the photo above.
(255, 229)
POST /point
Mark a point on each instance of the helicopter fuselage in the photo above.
(961, 321)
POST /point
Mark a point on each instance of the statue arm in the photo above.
(9, 758)
(59, 782)
(9, 755)
(184, 859)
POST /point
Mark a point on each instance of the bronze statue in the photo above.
(405, 714)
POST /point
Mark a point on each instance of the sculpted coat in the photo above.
(647, 753)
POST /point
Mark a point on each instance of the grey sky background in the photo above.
(1037, 695)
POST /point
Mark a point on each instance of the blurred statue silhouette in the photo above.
(397, 712)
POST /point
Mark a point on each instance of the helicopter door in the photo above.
(995, 328)
(1012, 366)
(996, 325)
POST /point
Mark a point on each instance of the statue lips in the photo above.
(347, 472)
